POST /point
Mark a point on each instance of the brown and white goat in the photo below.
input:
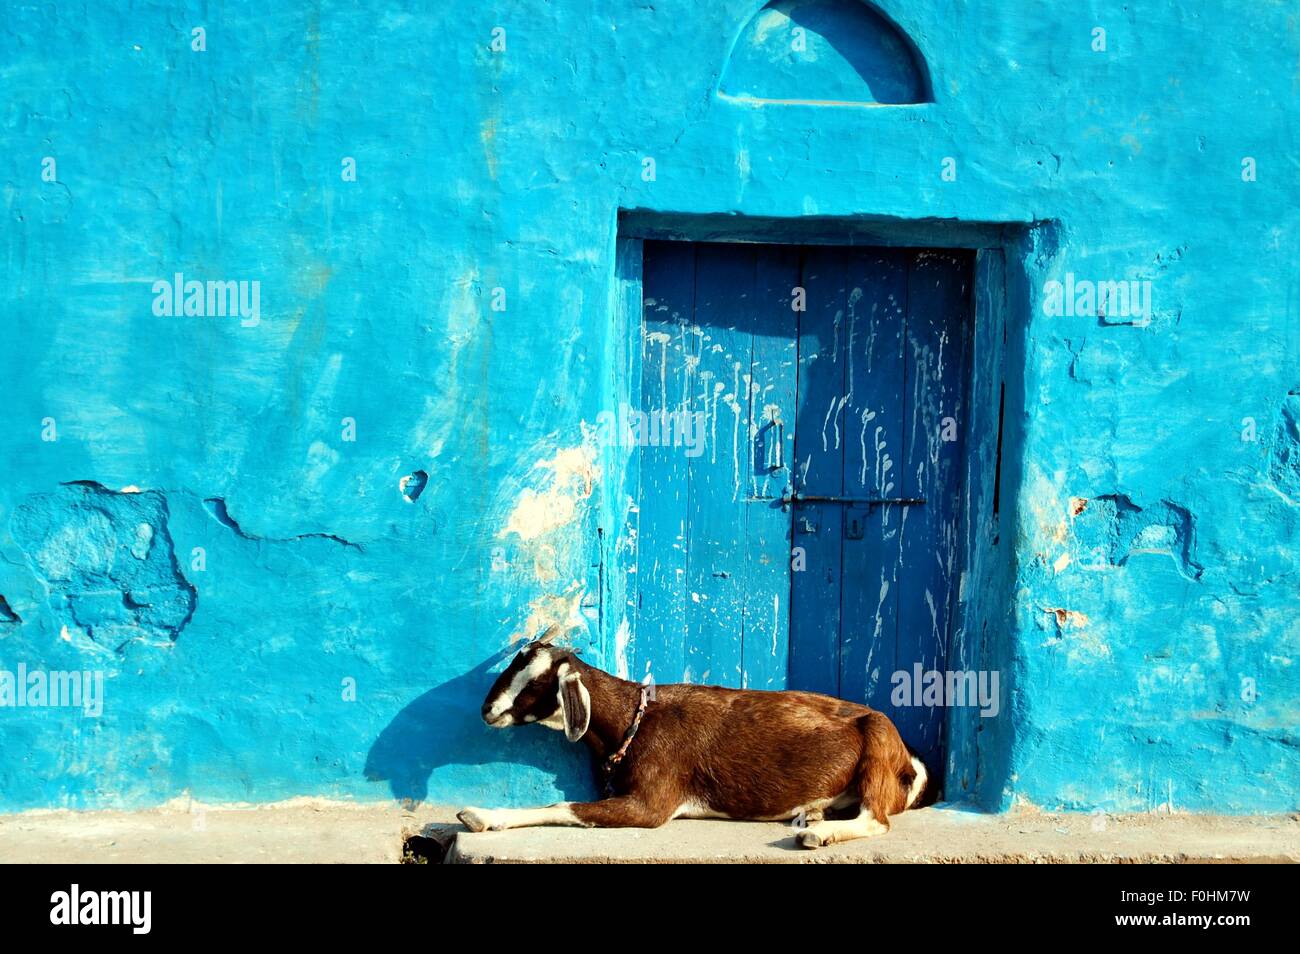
(707, 752)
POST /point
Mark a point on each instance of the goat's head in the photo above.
(542, 684)
(917, 789)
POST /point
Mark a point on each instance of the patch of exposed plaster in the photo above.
(564, 609)
(561, 488)
(568, 479)
(1043, 501)
(412, 485)
(1066, 619)
(1074, 629)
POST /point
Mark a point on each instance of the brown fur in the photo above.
(744, 754)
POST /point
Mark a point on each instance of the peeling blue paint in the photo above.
(1114, 529)
(1284, 449)
(107, 565)
(299, 618)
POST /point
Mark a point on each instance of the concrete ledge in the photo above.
(932, 835)
(315, 831)
(302, 831)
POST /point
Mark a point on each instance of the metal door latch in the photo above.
(770, 447)
(870, 503)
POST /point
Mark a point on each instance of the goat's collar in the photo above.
(615, 758)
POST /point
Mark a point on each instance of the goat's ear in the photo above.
(575, 703)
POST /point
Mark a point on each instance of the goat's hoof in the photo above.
(472, 818)
(809, 839)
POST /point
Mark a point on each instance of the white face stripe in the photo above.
(554, 721)
(918, 784)
(538, 666)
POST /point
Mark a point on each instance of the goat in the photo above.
(706, 751)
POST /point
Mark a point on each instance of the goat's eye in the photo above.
(907, 780)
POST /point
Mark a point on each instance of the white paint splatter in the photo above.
(573, 472)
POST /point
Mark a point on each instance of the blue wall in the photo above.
(1134, 628)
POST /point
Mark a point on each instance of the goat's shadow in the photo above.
(443, 728)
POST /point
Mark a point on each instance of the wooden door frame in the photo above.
(1000, 301)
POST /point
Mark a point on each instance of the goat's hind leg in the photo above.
(875, 789)
(623, 812)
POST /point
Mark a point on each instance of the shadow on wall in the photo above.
(443, 728)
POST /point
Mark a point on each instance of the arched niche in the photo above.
(826, 53)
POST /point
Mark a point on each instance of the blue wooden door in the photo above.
(799, 500)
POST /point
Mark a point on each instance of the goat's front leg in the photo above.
(499, 819)
(626, 811)
(832, 832)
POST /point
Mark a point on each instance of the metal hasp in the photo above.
(855, 524)
(788, 498)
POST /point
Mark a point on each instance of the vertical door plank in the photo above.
(717, 574)
(937, 329)
(873, 461)
(818, 469)
(623, 465)
(668, 314)
(766, 646)
(976, 614)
